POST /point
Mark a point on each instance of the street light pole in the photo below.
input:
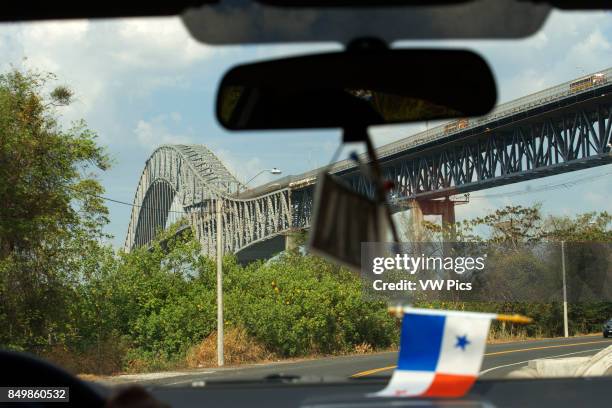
(273, 170)
(565, 328)
(219, 210)
(220, 356)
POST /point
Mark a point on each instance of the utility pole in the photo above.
(565, 328)
(220, 356)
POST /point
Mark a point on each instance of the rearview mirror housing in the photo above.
(355, 89)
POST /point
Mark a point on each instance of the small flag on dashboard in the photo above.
(440, 353)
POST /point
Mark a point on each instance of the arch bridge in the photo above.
(561, 129)
(189, 181)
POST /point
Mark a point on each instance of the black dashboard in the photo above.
(560, 392)
(19, 369)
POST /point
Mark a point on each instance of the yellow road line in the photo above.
(372, 371)
(546, 347)
(377, 370)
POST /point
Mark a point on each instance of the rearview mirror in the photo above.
(356, 89)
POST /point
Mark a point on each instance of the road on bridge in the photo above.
(499, 360)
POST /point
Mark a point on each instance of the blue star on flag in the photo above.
(462, 342)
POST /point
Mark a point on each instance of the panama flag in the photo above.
(440, 353)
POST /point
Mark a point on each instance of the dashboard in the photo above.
(559, 392)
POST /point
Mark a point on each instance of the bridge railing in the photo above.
(503, 110)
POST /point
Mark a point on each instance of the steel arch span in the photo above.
(187, 181)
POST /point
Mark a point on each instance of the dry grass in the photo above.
(90, 377)
(136, 365)
(363, 348)
(240, 348)
(492, 339)
(497, 337)
(105, 360)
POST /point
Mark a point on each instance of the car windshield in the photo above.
(119, 188)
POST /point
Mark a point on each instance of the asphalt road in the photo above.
(499, 360)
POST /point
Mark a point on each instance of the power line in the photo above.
(126, 203)
(548, 187)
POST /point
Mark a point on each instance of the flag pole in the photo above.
(398, 311)
(515, 318)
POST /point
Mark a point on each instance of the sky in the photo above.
(143, 82)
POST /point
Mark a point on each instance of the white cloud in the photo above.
(599, 199)
(569, 45)
(161, 43)
(594, 45)
(176, 117)
(474, 208)
(245, 168)
(125, 72)
(107, 63)
(155, 132)
(56, 33)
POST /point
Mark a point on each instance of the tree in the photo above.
(587, 253)
(587, 227)
(50, 209)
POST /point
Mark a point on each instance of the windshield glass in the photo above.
(112, 163)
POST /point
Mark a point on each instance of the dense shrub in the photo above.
(161, 303)
(300, 305)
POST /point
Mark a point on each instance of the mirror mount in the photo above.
(354, 134)
(365, 44)
(372, 170)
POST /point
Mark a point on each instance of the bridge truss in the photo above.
(563, 141)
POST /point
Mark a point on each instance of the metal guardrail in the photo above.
(503, 110)
(506, 109)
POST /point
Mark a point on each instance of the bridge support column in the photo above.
(444, 208)
(291, 241)
(295, 238)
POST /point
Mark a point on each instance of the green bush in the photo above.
(162, 301)
(300, 305)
